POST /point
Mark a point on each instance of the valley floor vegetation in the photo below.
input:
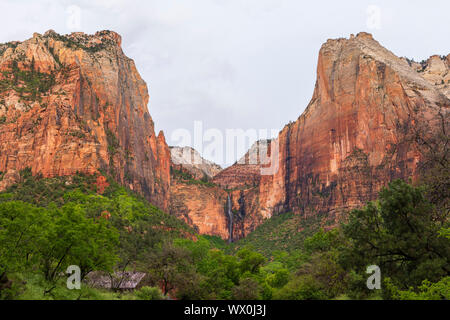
(48, 224)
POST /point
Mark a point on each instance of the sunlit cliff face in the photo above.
(77, 103)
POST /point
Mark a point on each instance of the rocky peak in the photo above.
(365, 48)
(190, 160)
(110, 35)
(436, 70)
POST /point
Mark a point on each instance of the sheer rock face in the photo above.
(89, 112)
(246, 211)
(201, 206)
(352, 138)
(198, 203)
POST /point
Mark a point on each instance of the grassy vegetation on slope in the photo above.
(285, 232)
(82, 189)
(47, 225)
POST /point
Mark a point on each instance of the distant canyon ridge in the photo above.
(76, 103)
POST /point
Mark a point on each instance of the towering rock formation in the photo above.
(77, 103)
(352, 139)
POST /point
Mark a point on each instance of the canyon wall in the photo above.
(352, 139)
(202, 206)
(77, 103)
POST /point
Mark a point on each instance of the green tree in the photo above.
(301, 288)
(426, 291)
(276, 275)
(22, 225)
(149, 293)
(168, 266)
(248, 289)
(250, 261)
(73, 238)
(222, 274)
(401, 234)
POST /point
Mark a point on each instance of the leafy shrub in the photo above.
(301, 288)
(426, 291)
(149, 293)
(248, 289)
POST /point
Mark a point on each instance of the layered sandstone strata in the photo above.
(202, 206)
(77, 103)
(352, 139)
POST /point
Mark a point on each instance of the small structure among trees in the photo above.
(115, 281)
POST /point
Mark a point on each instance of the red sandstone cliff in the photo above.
(200, 205)
(350, 142)
(193, 197)
(77, 103)
(352, 138)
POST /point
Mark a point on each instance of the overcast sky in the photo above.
(233, 63)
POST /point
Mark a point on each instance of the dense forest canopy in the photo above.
(48, 224)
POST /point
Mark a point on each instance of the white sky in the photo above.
(233, 63)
